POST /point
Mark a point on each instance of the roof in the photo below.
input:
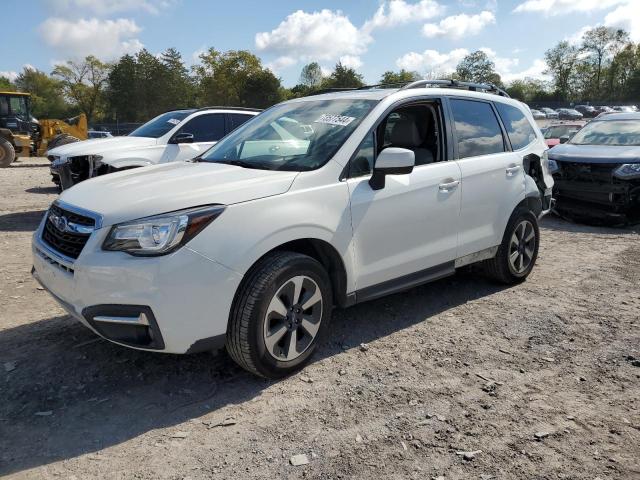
(618, 116)
(15, 93)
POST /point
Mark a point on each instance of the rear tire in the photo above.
(7, 153)
(280, 314)
(518, 251)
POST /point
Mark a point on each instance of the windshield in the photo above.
(296, 136)
(558, 131)
(612, 132)
(161, 124)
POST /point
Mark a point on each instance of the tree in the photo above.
(599, 42)
(311, 76)
(403, 76)
(83, 83)
(47, 100)
(561, 65)
(529, 90)
(343, 77)
(6, 85)
(477, 67)
(122, 94)
(235, 77)
(177, 84)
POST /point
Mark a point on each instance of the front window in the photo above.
(18, 106)
(161, 125)
(296, 136)
(613, 132)
(559, 131)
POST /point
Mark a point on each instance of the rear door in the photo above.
(492, 175)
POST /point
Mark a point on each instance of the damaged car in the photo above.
(331, 199)
(597, 173)
(169, 137)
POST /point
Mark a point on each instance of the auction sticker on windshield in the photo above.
(332, 119)
(173, 121)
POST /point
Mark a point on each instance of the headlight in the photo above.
(627, 171)
(160, 234)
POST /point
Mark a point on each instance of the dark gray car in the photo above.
(597, 173)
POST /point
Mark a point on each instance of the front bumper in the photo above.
(187, 297)
(616, 201)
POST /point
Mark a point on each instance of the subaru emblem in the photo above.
(60, 222)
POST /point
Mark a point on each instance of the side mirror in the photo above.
(391, 161)
(182, 137)
(564, 139)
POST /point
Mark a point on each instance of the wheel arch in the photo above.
(322, 251)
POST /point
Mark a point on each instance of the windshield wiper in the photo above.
(238, 163)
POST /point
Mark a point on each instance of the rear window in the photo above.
(519, 130)
(477, 128)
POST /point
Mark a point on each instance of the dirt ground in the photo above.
(538, 381)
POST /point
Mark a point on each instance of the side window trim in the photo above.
(446, 150)
(507, 146)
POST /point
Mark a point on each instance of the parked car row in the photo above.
(579, 112)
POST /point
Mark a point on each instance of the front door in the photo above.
(206, 130)
(410, 225)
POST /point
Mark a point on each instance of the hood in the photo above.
(99, 146)
(595, 153)
(157, 189)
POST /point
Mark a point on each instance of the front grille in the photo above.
(586, 172)
(68, 243)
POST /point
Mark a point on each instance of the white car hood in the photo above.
(137, 193)
(100, 146)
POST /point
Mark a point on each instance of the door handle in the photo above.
(445, 187)
(512, 170)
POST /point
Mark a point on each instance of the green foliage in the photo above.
(311, 76)
(47, 99)
(6, 85)
(390, 77)
(237, 78)
(343, 77)
(477, 67)
(83, 83)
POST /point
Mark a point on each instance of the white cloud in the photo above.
(459, 26)
(10, 75)
(109, 7)
(446, 62)
(280, 63)
(535, 71)
(576, 38)
(323, 35)
(351, 61)
(626, 17)
(559, 7)
(106, 39)
(399, 12)
(432, 60)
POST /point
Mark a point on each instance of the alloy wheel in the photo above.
(522, 247)
(293, 318)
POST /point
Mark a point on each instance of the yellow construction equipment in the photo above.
(21, 135)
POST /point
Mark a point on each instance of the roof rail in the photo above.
(474, 87)
(222, 107)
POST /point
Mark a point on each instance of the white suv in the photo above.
(328, 200)
(169, 137)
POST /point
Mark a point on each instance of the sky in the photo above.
(373, 36)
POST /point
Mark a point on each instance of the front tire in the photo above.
(518, 251)
(280, 314)
(7, 153)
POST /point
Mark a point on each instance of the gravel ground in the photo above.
(457, 379)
